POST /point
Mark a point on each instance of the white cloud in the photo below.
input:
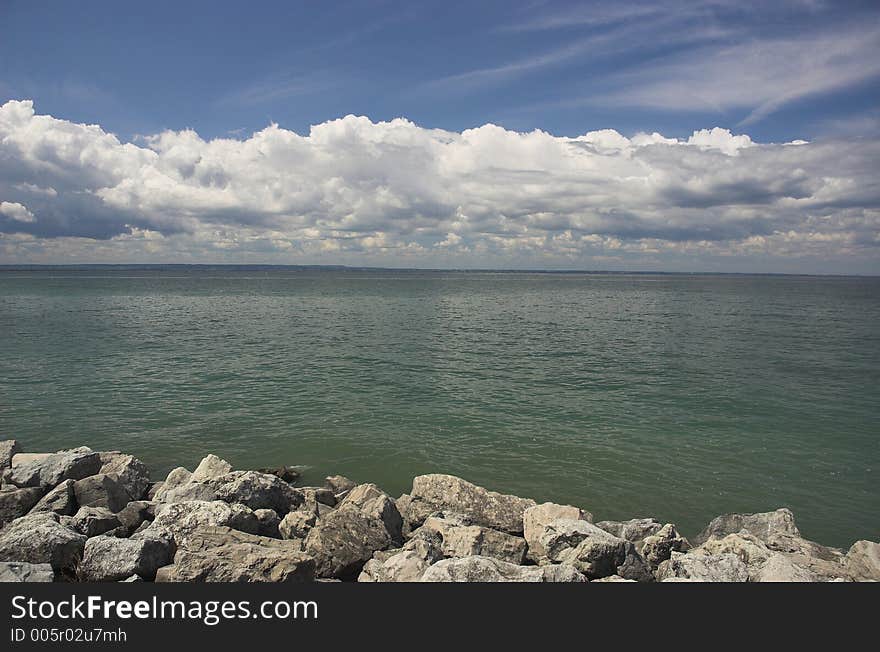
(394, 193)
(16, 211)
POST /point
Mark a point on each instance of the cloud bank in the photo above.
(394, 193)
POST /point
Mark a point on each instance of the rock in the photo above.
(101, 490)
(287, 473)
(210, 468)
(155, 488)
(343, 540)
(613, 578)
(658, 547)
(15, 502)
(15, 571)
(41, 539)
(339, 484)
(48, 471)
(297, 524)
(459, 539)
(19, 459)
(763, 525)
(725, 567)
(133, 578)
(376, 504)
(827, 563)
(177, 521)
(189, 491)
(863, 561)
(437, 492)
(175, 478)
(136, 513)
(257, 491)
(537, 517)
(593, 551)
(634, 530)
(407, 564)
(634, 566)
(267, 523)
(93, 521)
(779, 568)
(219, 554)
(61, 500)
(319, 495)
(488, 569)
(8, 448)
(110, 559)
(131, 473)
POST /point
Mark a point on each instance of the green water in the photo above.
(680, 397)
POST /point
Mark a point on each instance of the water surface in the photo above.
(675, 396)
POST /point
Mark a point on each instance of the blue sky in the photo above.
(776, 72)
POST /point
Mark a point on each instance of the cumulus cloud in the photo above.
(15, 211)
(395, 193)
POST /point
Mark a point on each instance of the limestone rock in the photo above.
(176, 477)
(130, 472)
(634, 530)
(48, 471)
(257, 491)
(488, 569)
(110, 559)
(287, 473)
(725, 567)
(460, 539)
(8, 448)
(41, 539)
(863, 561)
(18, 459)
(93, 521)
(267, 523)
(102, 490)
(613, 578)
(658, 547)
(593, 551)
(763, 525)
(15, 502)
(319, 495)
(343, 540)
(137, 512)
(435, 492)
(219, 554)
(297, 524)
(177, 521)
(339, 484)
(780, 568)
(210, 468)
(537, 517)
(60, 500)
(15, 571)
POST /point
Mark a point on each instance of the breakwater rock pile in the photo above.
(83, 515)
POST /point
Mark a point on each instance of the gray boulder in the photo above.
(175, 478)
(41, 539)
(48, 471)
(634, 530)
(220, 554)
(267, 523)
(93, 521)
(210, 468)
(61, 500)
(763, 525)
(536, 518)
(593, 551)
(339, 484)
(110, 559)
(863, 561)
(343, 540)
(438, 492)
(15, 502)
(130, 472)
(102, 490)
(178, 521)
(298, 524)
(257, 491)
(488, 569)
(287, 473)
(14, 571)
(137, 512)
(458, 538)
(725, 567)
(8, 448)
(658, 547)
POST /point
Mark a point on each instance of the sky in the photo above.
(671, 136)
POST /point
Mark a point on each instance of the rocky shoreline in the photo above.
(83, 515)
